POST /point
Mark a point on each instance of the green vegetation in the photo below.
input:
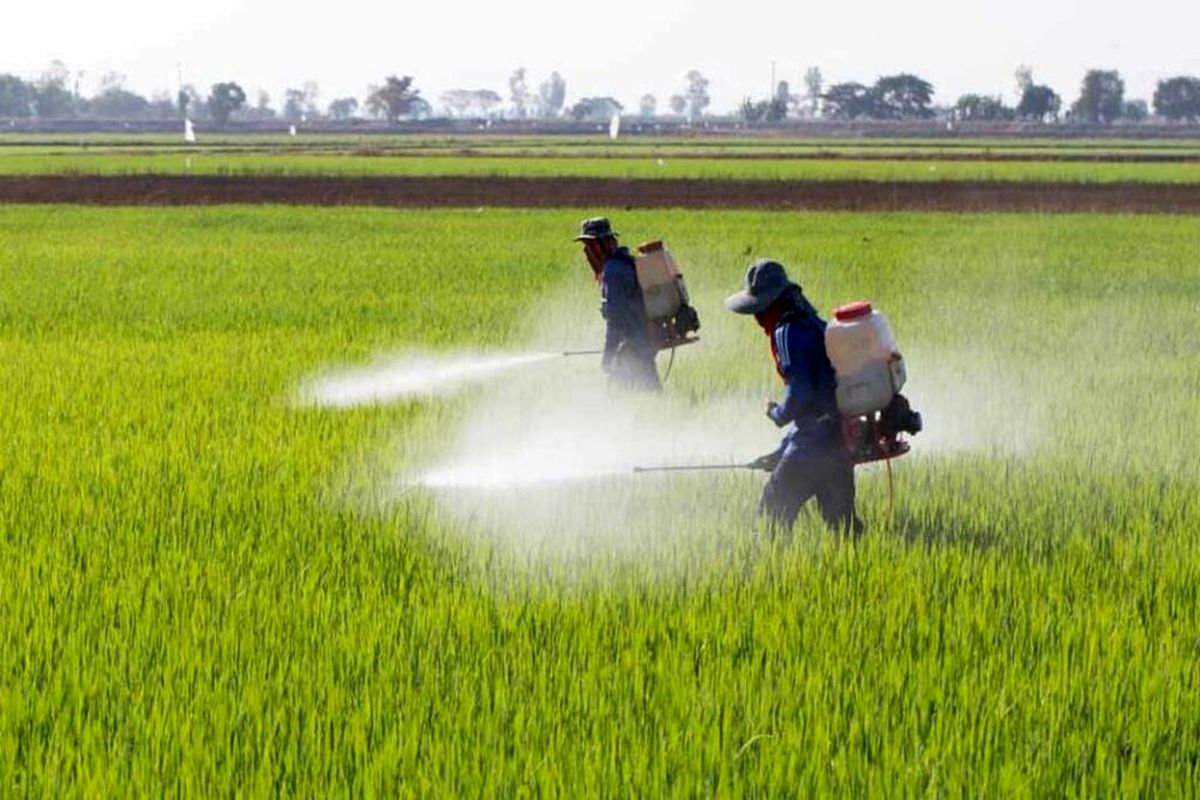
(349, 164)
(705, 142)
(715, 158)
(203, 593)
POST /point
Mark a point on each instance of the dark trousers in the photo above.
(825, 473)
(630, 370)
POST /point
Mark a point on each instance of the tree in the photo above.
(1039, 102)
(53, 99)
(647, 106)
(1178, 98)
(752, 111)
(518, 92)
(1135, 110)
(678, 104)
(293, 104)
(456, 101)
(772, 110)
(596, 109)
(813, 82)
(982, 107)
(190, 103)
(301, 104)
(470, 102)
(1101, 98)
(553, 94)
(116, 102)
(903, 96)
(111, 80)
(782, 101)
(696, 95)
(162, 106)
(312, 93)
(16, 97)
(486, 101)
(343, 108)
(225, 99)
(394, 99)
(420, 109)
(1024, 78)
(849, 100)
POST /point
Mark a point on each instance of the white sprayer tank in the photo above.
(863, 352)
(661, 281)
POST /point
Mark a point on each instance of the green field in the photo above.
(101, 162)
(700, 142)
(209, 590)
(597, 157)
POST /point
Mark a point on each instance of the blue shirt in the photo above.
(624, 309)
(809, 402)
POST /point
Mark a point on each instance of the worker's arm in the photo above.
(795, 345)
(620, 311)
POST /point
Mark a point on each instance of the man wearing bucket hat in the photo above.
(628, 349)
(810, 462)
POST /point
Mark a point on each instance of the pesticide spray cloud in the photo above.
(543, 465)
(409, 376)
(549, 436)
(976, 402)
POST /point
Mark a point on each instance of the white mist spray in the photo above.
(409, 376)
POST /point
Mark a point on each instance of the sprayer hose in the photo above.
(891, 491)
(670, 364)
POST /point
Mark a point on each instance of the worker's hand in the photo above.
(768, 462)
(769, 407)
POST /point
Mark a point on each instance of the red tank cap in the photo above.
(860, 308)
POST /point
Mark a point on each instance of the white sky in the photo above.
(619, 47)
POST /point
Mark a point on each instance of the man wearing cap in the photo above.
(629, 351)
(810, 462)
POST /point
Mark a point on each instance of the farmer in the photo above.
(629, 349)
(810, 461)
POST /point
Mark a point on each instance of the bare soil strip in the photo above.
(471, 192)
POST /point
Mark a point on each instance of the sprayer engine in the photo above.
(668, 307)
(879, 435)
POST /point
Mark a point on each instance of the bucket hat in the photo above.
(595, 228)
(766, 280)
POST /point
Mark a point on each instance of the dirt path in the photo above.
(471, 192)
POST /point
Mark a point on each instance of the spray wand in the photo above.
(765, 463)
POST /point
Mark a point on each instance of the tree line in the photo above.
(55, 95)
(905, 96)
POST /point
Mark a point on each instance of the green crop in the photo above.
(207, 590)
(599, 141)
(238, 164)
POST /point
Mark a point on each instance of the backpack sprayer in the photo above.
(668, 306)
(669, 312)
(870, 373)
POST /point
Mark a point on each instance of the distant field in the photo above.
(18, 160)
(698, 157)
(700, 142)
(209, 591)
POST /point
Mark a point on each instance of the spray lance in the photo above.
(765, 463)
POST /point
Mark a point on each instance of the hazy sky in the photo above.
(619, 47)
